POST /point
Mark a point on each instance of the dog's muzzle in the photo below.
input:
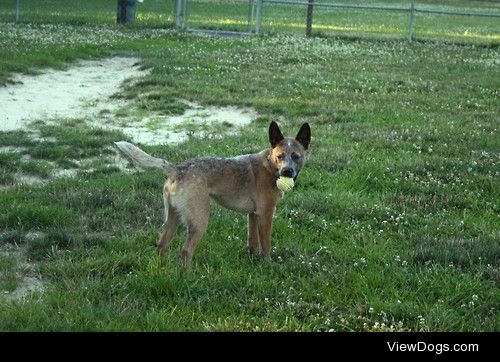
(287, 172)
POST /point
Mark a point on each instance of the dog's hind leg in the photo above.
(196, 212)
(171, 223)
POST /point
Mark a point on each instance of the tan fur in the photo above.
(244, 183)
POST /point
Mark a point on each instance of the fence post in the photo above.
(121, 12)
(412, 20)
(310, 5)
(258, 16)
(251, 14)
(180, 14)
(184, 14)
(177, 8)
(17, 11)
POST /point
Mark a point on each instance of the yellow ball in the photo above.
(285, 183)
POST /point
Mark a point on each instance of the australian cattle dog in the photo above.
(245, 183)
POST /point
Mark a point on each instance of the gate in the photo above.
(232, 18)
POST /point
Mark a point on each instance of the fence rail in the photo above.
(380, 7)
(334, 5)
(443, 12)
(412, 9)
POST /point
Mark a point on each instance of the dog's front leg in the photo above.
(253, 234)
(265, 226)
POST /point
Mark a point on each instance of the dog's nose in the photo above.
(287, 172)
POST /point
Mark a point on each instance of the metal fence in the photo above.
(395, 18)
(412, 9)
(258, 13)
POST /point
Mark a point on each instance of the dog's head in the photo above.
(288, 154)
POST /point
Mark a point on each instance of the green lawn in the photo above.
(393, 223)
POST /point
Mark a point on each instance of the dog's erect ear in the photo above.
(275, 135)
(304, 135)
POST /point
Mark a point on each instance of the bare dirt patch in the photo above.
(84, 90)
(23, 271)
(27, 286)
(58, 93)
(199, 121)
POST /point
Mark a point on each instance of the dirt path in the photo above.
(63, 93)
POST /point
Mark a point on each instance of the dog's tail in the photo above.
(142, 159)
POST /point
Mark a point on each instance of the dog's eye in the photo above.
(281, 156)
(295, 156)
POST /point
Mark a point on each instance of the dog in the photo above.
(245, 183)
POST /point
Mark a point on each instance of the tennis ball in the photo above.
(285, 183)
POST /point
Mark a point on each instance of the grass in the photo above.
(393, 224)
